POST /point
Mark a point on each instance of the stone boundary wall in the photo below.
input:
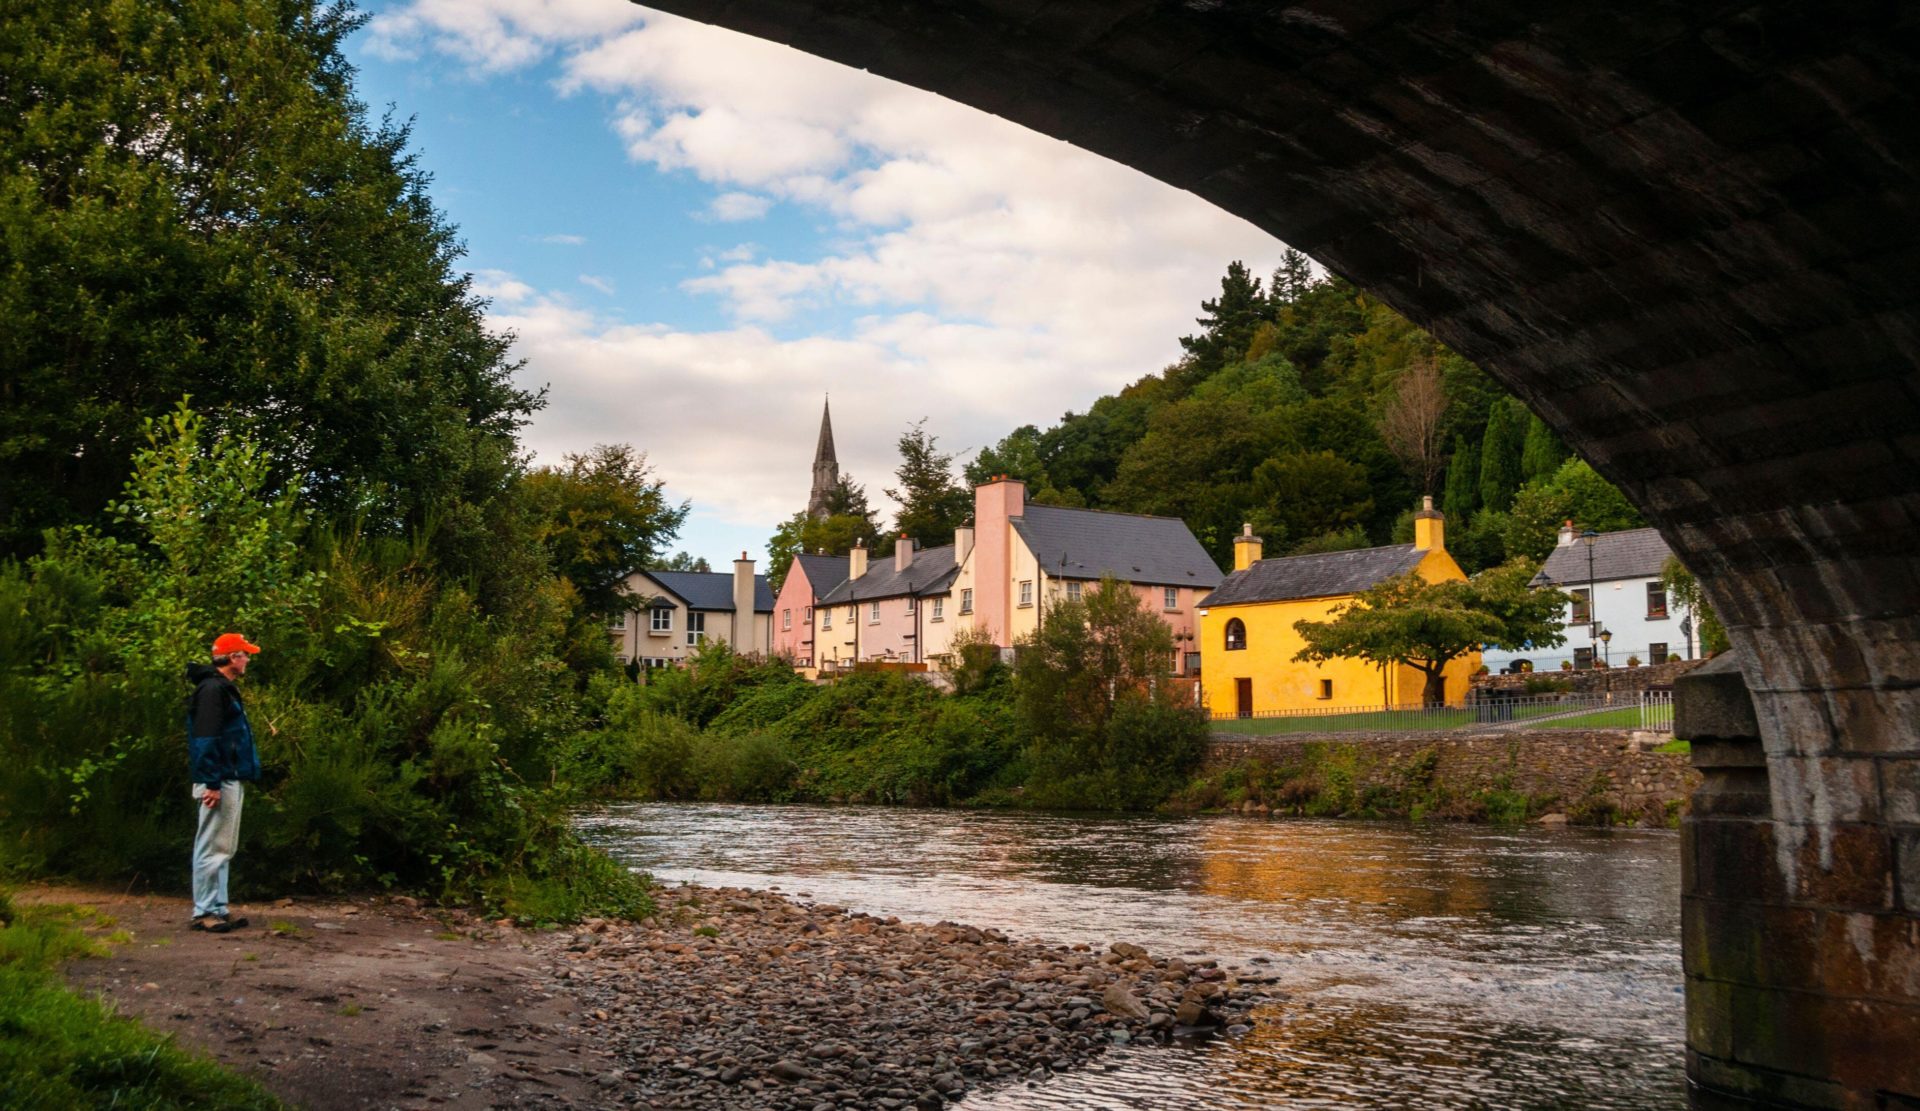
(1597, 680)
(1559, 764)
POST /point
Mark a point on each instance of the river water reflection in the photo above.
(1429, 966)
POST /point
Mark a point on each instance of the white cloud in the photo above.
(564, 240)
(1005, 276)
(500, 287)
(593, 281)
(733, 207)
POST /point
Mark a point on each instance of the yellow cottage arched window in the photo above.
(1236, 635)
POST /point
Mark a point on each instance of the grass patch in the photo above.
(283, 928)
(1679, 747)
(59, 1050)
(350, 1010)
(707, 931)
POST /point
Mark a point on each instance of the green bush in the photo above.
(748, 767)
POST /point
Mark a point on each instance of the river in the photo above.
(1428, 965)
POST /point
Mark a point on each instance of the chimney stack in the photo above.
(743, 599)
(1246, 548)
(857, 560)
(1429, 527)
(902, 553)
(1567, 536)
(962, 542)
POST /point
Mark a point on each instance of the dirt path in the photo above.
(350, 1004)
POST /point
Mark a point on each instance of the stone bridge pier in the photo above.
(1687, 233)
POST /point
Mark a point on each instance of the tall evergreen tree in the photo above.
(1291, 279)
(1229, 323)
(1463, 483)
(1543, 452)
(932, 503)
(1500, 458)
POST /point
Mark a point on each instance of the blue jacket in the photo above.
(219, 738)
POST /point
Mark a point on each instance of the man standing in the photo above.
(221, 756)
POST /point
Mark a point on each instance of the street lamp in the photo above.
(1606, 638)
(1593, 618)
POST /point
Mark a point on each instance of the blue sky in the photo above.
(696, 235)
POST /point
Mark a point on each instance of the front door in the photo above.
(1243, 696)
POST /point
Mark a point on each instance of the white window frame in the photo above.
(966, 599)
(619, 622)
(939, 609)
(1026, 593)
(696, 628)
(826, 617)
(873, 613)
(661, 621)
(1170, 598)
(911, 603)
(1073, 591)
(786, 619)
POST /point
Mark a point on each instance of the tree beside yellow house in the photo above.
(1248, 640)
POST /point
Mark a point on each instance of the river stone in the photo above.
(1127, 951)
(1119, 1001)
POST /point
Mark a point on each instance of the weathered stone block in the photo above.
(1906, 850)
(1712, 703)
(1844, 867)
(1710, 1019)
(1733, 858)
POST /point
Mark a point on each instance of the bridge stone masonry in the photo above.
(1688, 235)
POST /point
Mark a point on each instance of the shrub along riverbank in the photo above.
(1084, 721)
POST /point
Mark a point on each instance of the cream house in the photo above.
(679, 611)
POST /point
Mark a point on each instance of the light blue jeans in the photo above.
(214, 844)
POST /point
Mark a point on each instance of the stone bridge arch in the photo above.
(1688, 235)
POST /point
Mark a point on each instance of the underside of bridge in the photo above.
(1688, 234)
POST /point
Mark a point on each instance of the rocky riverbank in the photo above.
(728, 998)
(736, 998)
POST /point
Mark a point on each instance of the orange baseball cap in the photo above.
(228, 643)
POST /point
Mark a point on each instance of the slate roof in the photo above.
(1633, 554)
(1320, 575)
(1089, 543)
(711, 590)
(931, 572)
(824, 572)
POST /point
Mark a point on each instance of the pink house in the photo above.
(886, 611)
(808, 580)
(1018, 559)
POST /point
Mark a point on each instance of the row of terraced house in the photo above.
(1013, 560)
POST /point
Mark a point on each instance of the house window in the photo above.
(1582, 659)
(939, 609)
(826, 618)
(853, 614)
(1236, 635)
(662, 621)
(1656, 600)
(1193, 664)
(806, 616)
(910, 603)
(1026, 592)
(966, 600)
(1073, 592)
(1582, 607)
(1657, 652)
(786, 619)
(1170, 598)
(1326, 689)
(873, 613)
(619, 622)
(696, 628)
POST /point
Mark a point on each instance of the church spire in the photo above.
(826, 467)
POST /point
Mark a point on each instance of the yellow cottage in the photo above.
(1247, 639)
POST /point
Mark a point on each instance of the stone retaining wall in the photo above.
(1641, 784)
(1595, 680)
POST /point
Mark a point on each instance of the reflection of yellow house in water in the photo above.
(1247, 639)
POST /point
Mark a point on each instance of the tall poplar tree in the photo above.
(1463, 483)
(1500, 457)
(1542, 452)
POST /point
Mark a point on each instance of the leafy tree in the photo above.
(180, 215)
(1542, 452)
(1092, 689)
(1229, 321)
(1338, 540)
(932, 504)
(681, 561)
(1685, 591)
(1409, 621)
(1576, 493)
(604, 516)
(835, 535)
(1309, 494)
(1499, 458)
(1021, 454)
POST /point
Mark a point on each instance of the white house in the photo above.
(1620, 610)
(685, 609)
